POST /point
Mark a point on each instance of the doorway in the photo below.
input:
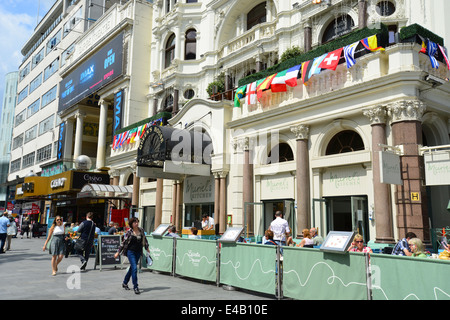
(348, 214)
(148, 219)
(287, 206)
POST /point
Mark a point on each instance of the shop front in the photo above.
(198, 199)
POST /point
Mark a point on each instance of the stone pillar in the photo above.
(175, 101)
(174, 201)
(136, 189)
(102, 126)
(159, 201)
(223, 201)
(79, 134)
(411, 197)
(382, 199)
(68, 142)
(247, 185)
(177, 223)
(155, 107)
(307, 35)
(216, 196)
(302, 177)
(362, 14)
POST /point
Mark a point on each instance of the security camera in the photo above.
(434, 81)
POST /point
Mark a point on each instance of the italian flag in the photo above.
(284, 78)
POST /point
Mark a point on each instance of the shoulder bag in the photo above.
(80, 245)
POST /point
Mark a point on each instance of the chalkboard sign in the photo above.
(107, 248)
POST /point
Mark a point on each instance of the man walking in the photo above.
(87, 232)
(279, 227)
(4, 224)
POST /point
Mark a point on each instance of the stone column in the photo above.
(362, 14)
(155, 107)
(159, 201)
(307, 36)
(102, 126)
(136, 189)
(247, 185)
(382, 200)
(177, 223)
(216, 196)
(79, 134)
(411, 197)
(175, 101)
(223, 200)
(302, 177)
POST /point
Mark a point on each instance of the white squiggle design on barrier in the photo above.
(190, 255)
(330, 280)
(435, 289)
(238, 264)
(156, 252)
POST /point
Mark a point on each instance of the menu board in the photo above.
(232, 234)
(108, 246)
(337, 241)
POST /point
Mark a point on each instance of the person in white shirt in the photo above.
(207, 222)
(279, 227)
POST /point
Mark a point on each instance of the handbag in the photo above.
(80, 244)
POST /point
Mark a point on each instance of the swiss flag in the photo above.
(331, 61)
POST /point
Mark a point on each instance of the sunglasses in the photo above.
(58, 219)
(359, 241)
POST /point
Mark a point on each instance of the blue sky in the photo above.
(18, 18)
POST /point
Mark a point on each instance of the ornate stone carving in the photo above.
(406, 110)
(301, 131)
(376, 115)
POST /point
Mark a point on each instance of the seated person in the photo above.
(269, 238)
(358, 245)
(193, 234)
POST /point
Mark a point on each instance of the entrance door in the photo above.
(286, 206)
(349, 214)
(320, 216)
(148, 219)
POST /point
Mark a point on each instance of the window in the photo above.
(53, 42)
(385, 8)
(24, 72)
(191, 1)
(28, 160)
(30, 134)
(47, 124)
(73, 21)
(20, 118)
(256, 16)
(17, 141)
(190, 47)
(33, 108)
(49, 96)
(36, 82)
(338, 27)
(345, 141)
(284, 154)
(170, 51)
(66, 53)
(51, 69)
(15, 165)
(168, 103)
(22, 95)
(37, 58)
(189, 94)
(44, 153)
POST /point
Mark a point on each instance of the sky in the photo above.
(18, 18)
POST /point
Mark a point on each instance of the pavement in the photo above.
(25, 274)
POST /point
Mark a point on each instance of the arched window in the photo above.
(284, 154)
(345, 141)
(385, 8)
(338, 27)
(168, 103)
(190, 45)
(169, 51)
(257, 15)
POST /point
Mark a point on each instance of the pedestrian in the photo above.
(11, 232)
(417, 248)
(87, 235)
(57, 239)
(4, 224)
(358, 245)
(112, 229)
(402, 247)
(25, 227)
(280, 227)
(132, 244)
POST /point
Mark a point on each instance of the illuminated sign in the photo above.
(103, 67)
(118, 104)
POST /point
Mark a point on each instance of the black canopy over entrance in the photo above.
(160, 144)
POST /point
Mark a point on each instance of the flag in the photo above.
(133, 134)
(240, 93)
(371, 43)
(444, 54)
(306, 67)
(431, 52)
(349, 54)
(114, 142)
(292, 75)
(279, 82)
(331, 61)
(264, 85)
(251, 93)
(315, 67)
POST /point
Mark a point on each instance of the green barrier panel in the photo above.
(161, 251)
(408, 278)
(249, 266)
(313, 274)
(196, 258)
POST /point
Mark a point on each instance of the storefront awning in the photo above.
(105, 191)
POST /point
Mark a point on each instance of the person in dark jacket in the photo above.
(87, 233)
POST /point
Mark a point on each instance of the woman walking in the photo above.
(132, 244)
(57, 245)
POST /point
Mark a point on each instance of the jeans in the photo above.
(133, 257)
(2, 241)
